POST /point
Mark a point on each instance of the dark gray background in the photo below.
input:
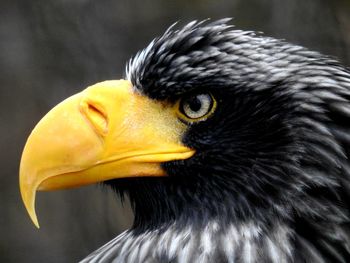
(51, 49)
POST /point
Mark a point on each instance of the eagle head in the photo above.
(229, 145)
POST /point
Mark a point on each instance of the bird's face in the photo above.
(192, 127)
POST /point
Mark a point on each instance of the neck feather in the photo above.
(213, 242)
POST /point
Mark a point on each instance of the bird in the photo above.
(232, 146)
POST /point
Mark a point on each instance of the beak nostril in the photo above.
(96, 116)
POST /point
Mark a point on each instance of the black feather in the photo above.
(275, 152)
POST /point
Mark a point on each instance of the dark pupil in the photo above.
(195, 104)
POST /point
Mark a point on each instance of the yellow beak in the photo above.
(107, 131)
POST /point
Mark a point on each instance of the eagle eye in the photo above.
(196, 107)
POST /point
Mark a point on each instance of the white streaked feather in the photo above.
(187, 251)
(229, 243)
(137, 60)
(273, 251)
(188, 244)
(145, 248)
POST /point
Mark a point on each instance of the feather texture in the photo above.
(270, 180)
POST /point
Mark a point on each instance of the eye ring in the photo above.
(196, 107)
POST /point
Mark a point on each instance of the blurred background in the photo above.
(51, 49)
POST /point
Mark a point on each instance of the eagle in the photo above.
(231, 146)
